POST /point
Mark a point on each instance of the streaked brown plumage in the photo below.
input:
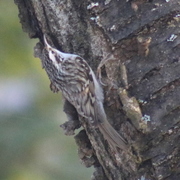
(71, 75)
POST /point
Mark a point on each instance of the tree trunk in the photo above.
(136, 45)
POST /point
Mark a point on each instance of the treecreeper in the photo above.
(71, 74)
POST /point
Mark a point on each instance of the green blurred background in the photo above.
(32, 145)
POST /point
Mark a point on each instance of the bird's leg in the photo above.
(53, 88)
(72, 116)
(102, 63)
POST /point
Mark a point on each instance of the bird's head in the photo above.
(54, 55)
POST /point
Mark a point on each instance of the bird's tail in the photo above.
(112, 136)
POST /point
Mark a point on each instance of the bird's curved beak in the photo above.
(47, 46)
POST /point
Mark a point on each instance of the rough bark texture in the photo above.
(137, 46)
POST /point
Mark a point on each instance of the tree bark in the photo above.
(136, 45)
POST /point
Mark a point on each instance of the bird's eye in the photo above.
(53, 52)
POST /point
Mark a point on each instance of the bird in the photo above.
(71, 74)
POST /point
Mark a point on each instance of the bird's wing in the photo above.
(82, 92)
(79, 87)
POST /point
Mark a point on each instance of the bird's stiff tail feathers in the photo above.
(112, 136)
